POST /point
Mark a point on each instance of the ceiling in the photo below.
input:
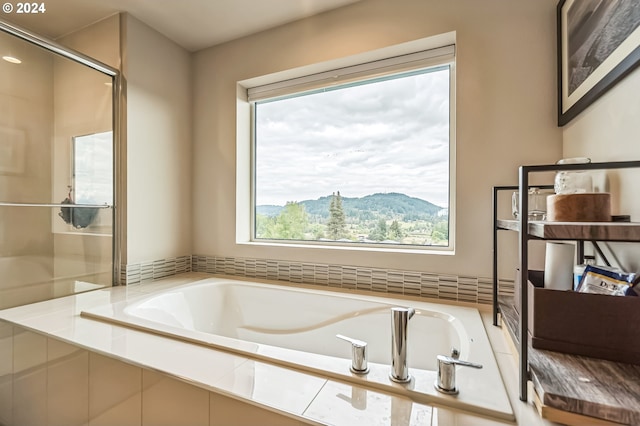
(193, 24)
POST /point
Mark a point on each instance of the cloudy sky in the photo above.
(389, 136)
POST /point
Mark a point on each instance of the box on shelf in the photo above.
(593, 325)
(535, 277)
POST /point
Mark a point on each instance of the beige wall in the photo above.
(505, 113)
(608, 131)
(155, 138)
(158, 145)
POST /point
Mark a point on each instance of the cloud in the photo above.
(388, 136)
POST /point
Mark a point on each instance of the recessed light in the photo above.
(12, 59)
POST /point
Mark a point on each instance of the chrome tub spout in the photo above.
(399, 321)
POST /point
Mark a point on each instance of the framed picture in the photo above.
(598, 45)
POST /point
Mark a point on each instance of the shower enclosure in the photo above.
(58, 154)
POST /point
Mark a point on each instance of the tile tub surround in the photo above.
(135, 273)
(59, 320)
(295, 326)
(389, 281)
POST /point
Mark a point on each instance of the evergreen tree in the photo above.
(395, 232)
(336, 227)
(379, 233)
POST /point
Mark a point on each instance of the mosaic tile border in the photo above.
(390, 281)
(410, 283)
(134, 273)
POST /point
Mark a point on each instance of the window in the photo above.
(93, 169)
(364, 161)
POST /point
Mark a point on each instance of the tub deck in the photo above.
(299, 394)
(481, 391)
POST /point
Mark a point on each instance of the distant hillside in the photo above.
(368, 207)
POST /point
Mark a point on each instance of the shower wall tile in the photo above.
(6, 373)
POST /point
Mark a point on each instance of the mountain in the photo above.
(269, 210)
(367, 208)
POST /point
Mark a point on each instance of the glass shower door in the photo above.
(56, 171)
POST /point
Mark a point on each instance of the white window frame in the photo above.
(431, 52)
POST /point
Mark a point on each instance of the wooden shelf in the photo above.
(572, 386)
(543, 230)
(587, 231)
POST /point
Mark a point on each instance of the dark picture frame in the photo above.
(598, 45)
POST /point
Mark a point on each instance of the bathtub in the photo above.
(297, 326)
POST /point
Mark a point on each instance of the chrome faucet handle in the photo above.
(358, 354)
(446, 381)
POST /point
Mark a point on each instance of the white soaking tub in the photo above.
(297, 326)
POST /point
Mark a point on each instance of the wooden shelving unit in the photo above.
(574, 389)
(575, 231)
(539, 230)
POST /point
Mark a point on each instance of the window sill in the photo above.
(427, 250)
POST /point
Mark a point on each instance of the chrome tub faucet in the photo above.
(359, 363)
(446, 379)
(399, 321)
